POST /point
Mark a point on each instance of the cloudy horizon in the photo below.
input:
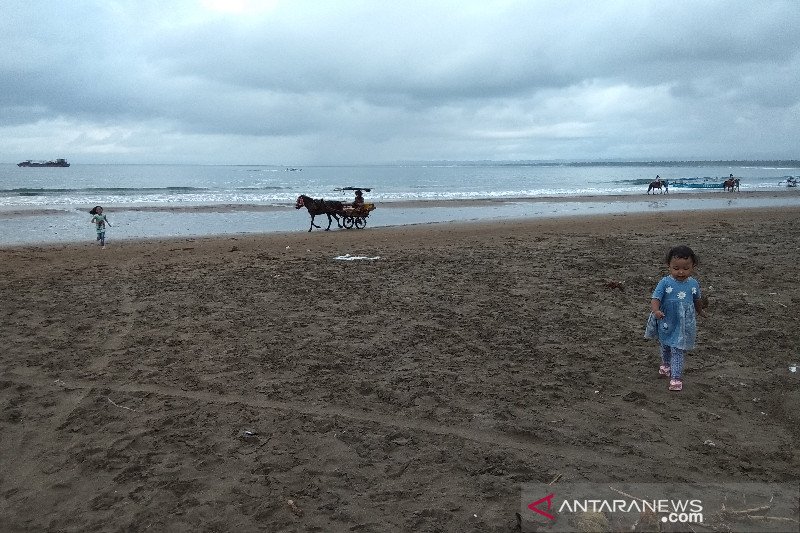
(303, 82)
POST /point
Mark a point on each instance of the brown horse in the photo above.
(731, 184)
(331, 208)
(657, 185)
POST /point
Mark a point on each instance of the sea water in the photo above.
(39, 205)
(81, 185)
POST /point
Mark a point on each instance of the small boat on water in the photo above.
(52, 163)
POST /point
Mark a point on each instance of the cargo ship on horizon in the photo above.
(56, 163)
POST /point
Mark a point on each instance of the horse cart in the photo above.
(351, 216)
(356, 217)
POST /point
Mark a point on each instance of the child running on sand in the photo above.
(674, 307)
(100, 221)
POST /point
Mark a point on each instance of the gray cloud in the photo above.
(363, 81)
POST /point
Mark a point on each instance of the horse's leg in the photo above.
(312, 223)
(331, 222)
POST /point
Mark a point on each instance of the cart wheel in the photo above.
(348, 222)
(360, 222)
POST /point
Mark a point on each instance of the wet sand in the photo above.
(201, 384)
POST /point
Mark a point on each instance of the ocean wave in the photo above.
(274, 188)
(28, 191)
(124, 191)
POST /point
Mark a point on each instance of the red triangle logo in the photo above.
(535, 506)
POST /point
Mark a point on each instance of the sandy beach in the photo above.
(257, 383)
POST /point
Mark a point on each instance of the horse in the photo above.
(731, 184)
(657, 185)
(331, 208)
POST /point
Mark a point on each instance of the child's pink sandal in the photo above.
(676, 385)
(664, 371)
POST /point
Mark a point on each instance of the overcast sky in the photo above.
(305, 82)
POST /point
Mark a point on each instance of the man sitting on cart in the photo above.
(358, 202)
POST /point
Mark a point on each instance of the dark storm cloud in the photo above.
(471, 80)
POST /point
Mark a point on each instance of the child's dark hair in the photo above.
(681, 252)
(94, 210)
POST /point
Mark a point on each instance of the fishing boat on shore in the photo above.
(51, 163)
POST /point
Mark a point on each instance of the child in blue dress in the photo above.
(674, 307)
(100, 221)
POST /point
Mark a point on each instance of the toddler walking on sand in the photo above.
(100, 221)
(674, 307)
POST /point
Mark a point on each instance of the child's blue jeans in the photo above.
(673, 358)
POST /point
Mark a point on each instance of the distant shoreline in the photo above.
(49, 225)
(715, 194)
(790, 163)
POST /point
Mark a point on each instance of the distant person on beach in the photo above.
(659, 184)
(675, 304)
(100, 221)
